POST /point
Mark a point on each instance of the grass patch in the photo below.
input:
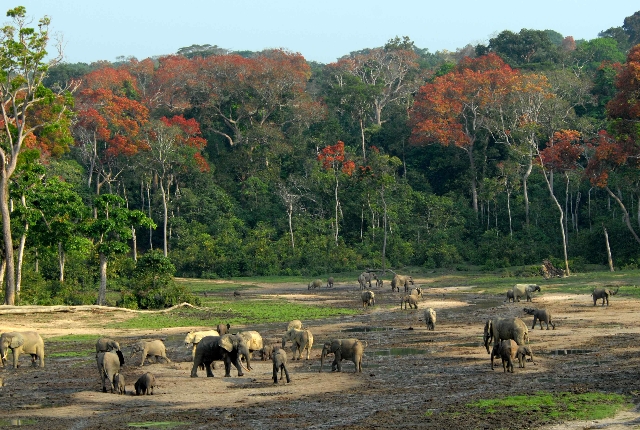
(234, 313)
(73, 338)
(558, 406)
(71, 354)
(210, 286)
(161, 424)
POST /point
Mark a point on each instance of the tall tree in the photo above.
(23, 66)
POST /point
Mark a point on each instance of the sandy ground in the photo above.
(411, 378)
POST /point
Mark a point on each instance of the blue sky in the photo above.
(321, 30)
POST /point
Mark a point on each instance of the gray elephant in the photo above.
(105, 344)
(118, 383)
(524, 290)
(150, 348)
(510, 296)
(229, 348)
(317, 283)
(417, 292)
(108, 366)
(19, 342)
(506, 350)
(294, 324)
(223, 328)
(330, 282)
(379, 283)
(343, 349)
(504, 329)
(266, 352)
(368, 298)
(280, 363)
(523, 351)
(430, 318)
(401, 281)
(144, 384)
(252, 339)
(409, 299)
(541, 316)
(603, 293)
(365, 279)
(302, 340)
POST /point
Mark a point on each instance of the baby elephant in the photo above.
(523, 351)
(507, 350)
(411, 300)
(368, 298)
(279, 359)
(540, 315)
(510, 297)
(145, 383)
(266, 352)
(150, 348)
(118, 383)
(430, 318)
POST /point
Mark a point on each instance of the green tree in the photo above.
(27, 107)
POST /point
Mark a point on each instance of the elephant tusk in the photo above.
(242, 365)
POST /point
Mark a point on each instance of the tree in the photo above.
(23, 67)
(110, 231)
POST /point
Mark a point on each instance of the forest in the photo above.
(211, 163)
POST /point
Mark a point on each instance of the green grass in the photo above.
(162, 424)
(235, 313)
(559, 406)
(70, 354)
(73, 338)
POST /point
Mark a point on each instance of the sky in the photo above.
(321, 31)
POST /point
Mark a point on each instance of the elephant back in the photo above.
(253, 339)
(511, 328)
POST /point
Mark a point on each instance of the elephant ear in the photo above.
(120, 357)
(16, 341)
(226, 342)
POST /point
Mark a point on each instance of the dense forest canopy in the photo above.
(218, 163)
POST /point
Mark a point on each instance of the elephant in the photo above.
(510, 296)
(504, 329)
(144, 385)
(524, 290)
(194, 337)
(118, 383)
(409, 299)
(523, 351)
(401, 281)
(368, 298)
(507, 351)
(266, 353)
(105, 344)
(150, 348)
(27, 342)
(366, 278)
(417, 292)
(252, 339)
(302, 340)
(229, 348)
(603, 293)
(317, 283)
(223, 329)
(294, 324)
(330, 282)
(540, 315)
(279, 359)
(343, 349)
(379, 283)
(430, 318)
(108, 366)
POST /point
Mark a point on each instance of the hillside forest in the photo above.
(211, 163)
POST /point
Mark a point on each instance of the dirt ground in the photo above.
(411, 378)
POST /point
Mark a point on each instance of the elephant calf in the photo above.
(266, 353)
(145, 383)
(603, 293)
(330, 282)
(507, 350)
(150, 348)
(430, 318)
(302, 340)
(118, 383)
(316, 283)
(368, 298)
(279, 359)
(411, 300)
(540, 315)
(510, 297)
(223, 329)
(343, 349)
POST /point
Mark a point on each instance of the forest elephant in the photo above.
(409, 299)
(506, 350)
(343, 349)
(330, 282)
(430, 318)
(317, 283)
(368, 298)
(279, 359)
(301, 339)
(523, 351)
(401, 281)
(294, 324)
(603, 293)
(253, 339)
(228, 348)
(144, 385)
(379, 283)
(266, 353)
(541, 316)
(105, 344)
(510, 296)
(108, 366)
(417, 292)
(25, 342)
(150, 348)
(192, 339)
(524, 290)
(223, 329)
(504, 329)
(119, 384)
(365, 279)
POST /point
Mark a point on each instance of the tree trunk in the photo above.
(336, 210)
(290, 214)
(559, 206)
(134, 244)
(525, 190)
(606, 241)
(62, 259)
(23, 241)
(165, 217)
(384, 223)
(474, 186)
(364, 153)
(627, 220)
(102, 293)
(10, 280)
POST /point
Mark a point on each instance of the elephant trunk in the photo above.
(284, 341)
(613, 293)
(324, 354)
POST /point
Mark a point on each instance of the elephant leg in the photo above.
(144, 355)
(275, 373)
(238, 366)
(16, 355)
(194, 369)
(286, 372)
(207, 367)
